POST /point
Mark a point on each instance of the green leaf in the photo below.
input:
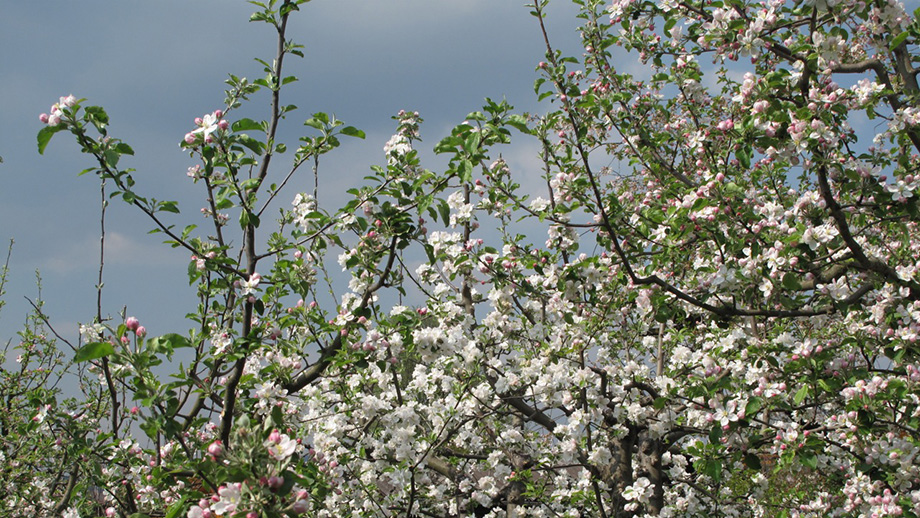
(93, 351)
(247, 218)
(791, 282)
(168, 342)
(752, 461)
(713, 468)
(169, 206)
(124, 149)
(96, 114)
(444, 211)
(744, 157)
(519, 122)
(465, 170)
(898, 40)
(245, 124)
(753, 406)
(176, 508)
(352, 131)
(800, 395)
(277, 416)
(44, 136)
(808, 459)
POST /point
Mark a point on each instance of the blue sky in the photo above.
(155, 66)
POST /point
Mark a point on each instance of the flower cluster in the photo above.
(208, 125)
(57, 110)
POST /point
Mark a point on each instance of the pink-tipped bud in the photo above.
(223, 124)
(218, 113)
(135, 410)
(726, 125)
(275, 436)
(216, 448)
(275, 481)
(43, 117)
(190, 138)
(132, 323)
(198, 121)
(301, 506)
(110, 512)
(141, 331)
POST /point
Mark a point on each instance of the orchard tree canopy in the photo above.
(712, 309)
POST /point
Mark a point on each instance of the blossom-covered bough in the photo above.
(710, 310)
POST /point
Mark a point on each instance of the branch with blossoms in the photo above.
(721, 318)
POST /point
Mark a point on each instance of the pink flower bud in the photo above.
(275, 481)
(132, 323)
(301, 506)
(275, 436)
(190, 138)
(216, 448)
(141, 331)
(726, 125)
(110, 512)
(218, 113)
(135, 410)
(223, 124)
(43, 117)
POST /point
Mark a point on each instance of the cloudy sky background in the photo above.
(155, 66)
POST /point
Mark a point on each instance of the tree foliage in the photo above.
(712, 309)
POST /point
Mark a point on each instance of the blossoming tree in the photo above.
(718, 315)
